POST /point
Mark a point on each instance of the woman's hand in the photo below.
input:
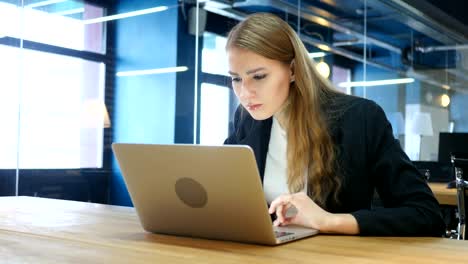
(310, 215)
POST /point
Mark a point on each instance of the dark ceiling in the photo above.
(454, 8)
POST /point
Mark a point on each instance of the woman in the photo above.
(320, 152)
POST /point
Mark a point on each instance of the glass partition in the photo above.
(408, 60)
(54, 100)
(154, 95)
(79, 75)
(10, 67)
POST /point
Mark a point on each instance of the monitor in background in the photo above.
(451, 142)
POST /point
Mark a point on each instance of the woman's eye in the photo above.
(259, 77)
(235, 79)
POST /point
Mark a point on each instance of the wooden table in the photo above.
(444, 195)
(37, 230)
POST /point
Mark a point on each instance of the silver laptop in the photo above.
(210, 192)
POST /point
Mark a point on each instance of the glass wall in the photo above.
(9, 100)
(217, 99)
(53, 107)
(79, 75)
(408, 61)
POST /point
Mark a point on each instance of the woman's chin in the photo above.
(259, 116)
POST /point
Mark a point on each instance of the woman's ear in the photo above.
(291, 72)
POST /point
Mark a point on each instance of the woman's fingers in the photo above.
(281, 206)
(279, 213)
(282, 212)
(286, 221)
(282, 199)
(274, 204)
(298, 209)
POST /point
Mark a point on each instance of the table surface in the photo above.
(444, 195)
(39, 230)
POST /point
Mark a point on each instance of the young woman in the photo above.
(320, 152)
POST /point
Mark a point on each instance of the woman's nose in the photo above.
(246, 91)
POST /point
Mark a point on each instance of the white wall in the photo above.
(428, 145)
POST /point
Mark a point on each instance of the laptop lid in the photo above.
(210, 192)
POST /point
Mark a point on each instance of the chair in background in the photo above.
(460, 169)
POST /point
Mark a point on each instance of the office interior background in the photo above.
(79, 75)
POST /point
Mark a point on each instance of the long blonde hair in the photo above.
(310, 146)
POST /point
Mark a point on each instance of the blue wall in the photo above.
(144, 110)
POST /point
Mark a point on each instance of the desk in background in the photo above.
(37, 230)
(444, 195)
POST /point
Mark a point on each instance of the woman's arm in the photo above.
(409, 207)
(342, 224)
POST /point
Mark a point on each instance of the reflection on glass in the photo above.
(151, 71)
(376, 82)
(125, 15)
(340, 75)
(57, 23)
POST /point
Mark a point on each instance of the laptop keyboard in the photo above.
(282, 233)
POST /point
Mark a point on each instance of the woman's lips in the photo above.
(253, 107)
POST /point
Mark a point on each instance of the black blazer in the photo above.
(370, 159)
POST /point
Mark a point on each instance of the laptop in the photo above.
(212, 192)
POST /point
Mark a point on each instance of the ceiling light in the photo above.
(323, 47)
(125, 15)
(323, 68)
(151, 71)
(317, 54)
(376, 83)
(444, 100)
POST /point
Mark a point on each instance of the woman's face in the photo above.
(261, 84)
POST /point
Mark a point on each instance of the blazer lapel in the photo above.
(258, 140)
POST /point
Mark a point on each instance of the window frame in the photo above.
(99, 180)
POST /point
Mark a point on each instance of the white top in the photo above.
(275, 177)
(275, 180)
